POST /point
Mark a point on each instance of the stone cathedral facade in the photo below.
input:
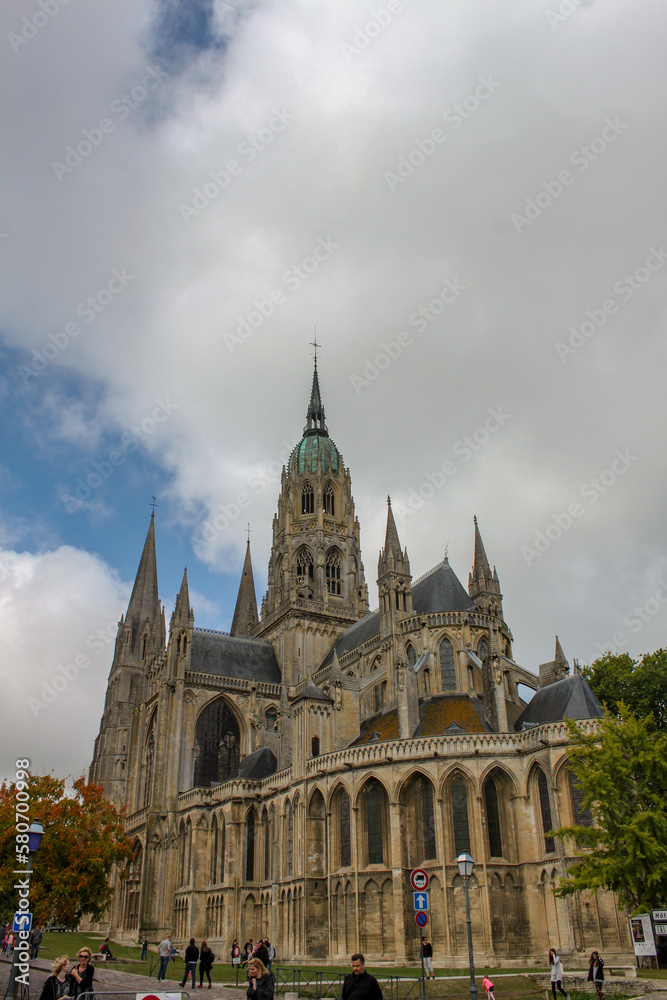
(284, 778)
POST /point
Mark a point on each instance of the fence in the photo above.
(329, 986)
(113, 994)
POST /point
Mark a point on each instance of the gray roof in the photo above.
(257, 765)
(313, 693)
(440, 590)
(355, 635)
(570, 698)
(233, 656)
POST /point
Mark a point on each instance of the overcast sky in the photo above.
(466, 199)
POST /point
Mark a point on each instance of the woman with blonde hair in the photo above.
(261, 982)
(59, 983)
(83, 973)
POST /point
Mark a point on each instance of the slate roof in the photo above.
(233, 656)
(438, 590)
(258, 764)
(313, 693)
(570, 698)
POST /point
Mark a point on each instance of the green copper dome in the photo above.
(316, 445)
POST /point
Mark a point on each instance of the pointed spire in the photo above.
(315, 422)
(245, 612)
(391, 540)
(559, 656)
(145, 601)
(182, 609)
(481, 568)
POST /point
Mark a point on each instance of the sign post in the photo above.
(419, 880)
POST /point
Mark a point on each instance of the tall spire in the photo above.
(483, 585)
(245, 612)
(391, 540)
(145, 601)
(315, 422)
(481, 568)
(182, 609)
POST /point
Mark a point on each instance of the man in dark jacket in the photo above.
(191, 958)
(359, 984)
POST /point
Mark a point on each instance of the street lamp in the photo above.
(466, 865)
(35, 834)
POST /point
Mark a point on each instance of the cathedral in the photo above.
(283, 779)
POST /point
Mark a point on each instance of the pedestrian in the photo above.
(191, 958)
(359, 983)
(596, 973)
(206, 960)
(427, 955)
(262, 953)
(272, 953)
(83, 973)
(164, 949)
(261, 982)
(59, 983)
(488, 986)
(35, 941)
(246, 954)
(556, 973)
(144, 948)
(105, 949)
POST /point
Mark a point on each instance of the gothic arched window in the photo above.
(582, 816)
(148, 769)
(214, 851)
(427, 819)
(271, 717)
(412, 654)
(250, 847)
(222, 849)
(332, 572)
(374, 823)
(545, 809)
(266, 823)
(315, 746)
(307, 499)
(290, 838)
(493, 819)
(460, 817)
(304, 567)
(447, 666)
(345, 842)
(217, 743)
(328, 499)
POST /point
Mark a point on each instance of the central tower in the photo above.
(316, 586)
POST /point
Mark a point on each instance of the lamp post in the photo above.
(466, 865)
(35, 834)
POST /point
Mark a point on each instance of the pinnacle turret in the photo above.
(245, 613)
(315, 421)
(484, 585)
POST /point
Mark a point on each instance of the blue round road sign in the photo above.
(421, 918)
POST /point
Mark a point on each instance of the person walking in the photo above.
(556, 973)
(262, 953)
(35, 941)
(83, 973)
(261, 982)
(596, 973)
(427, 955)
(206, 960)
(272, 953)
(488, 986)
(59, 983)
(359, 983)
(165, 954)
(191, 958)
(144, 948)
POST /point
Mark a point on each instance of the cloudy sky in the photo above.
(465, 199)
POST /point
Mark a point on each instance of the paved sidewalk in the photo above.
(112, 979)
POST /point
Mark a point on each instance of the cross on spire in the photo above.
(154, 505)
(314, 344)
(249, 532)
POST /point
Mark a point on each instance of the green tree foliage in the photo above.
(640, 684)
(83, 840)
(622, 770)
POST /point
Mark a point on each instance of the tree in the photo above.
(640, 685)
(83, 840)
(622, 769)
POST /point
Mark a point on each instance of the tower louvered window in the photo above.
(304, 567)
(545, 808)
(447, 666)
(307, 499)
(332, 570)
(460, 817)
(328, 499)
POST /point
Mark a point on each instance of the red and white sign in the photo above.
(419, 879)
(159, 996)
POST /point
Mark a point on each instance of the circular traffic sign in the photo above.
(419, 879)
(421, 918)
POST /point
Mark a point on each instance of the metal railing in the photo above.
(329, 985)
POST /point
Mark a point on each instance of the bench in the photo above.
(629, 971)
(101, 957)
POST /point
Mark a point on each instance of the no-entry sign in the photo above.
(419, 879)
